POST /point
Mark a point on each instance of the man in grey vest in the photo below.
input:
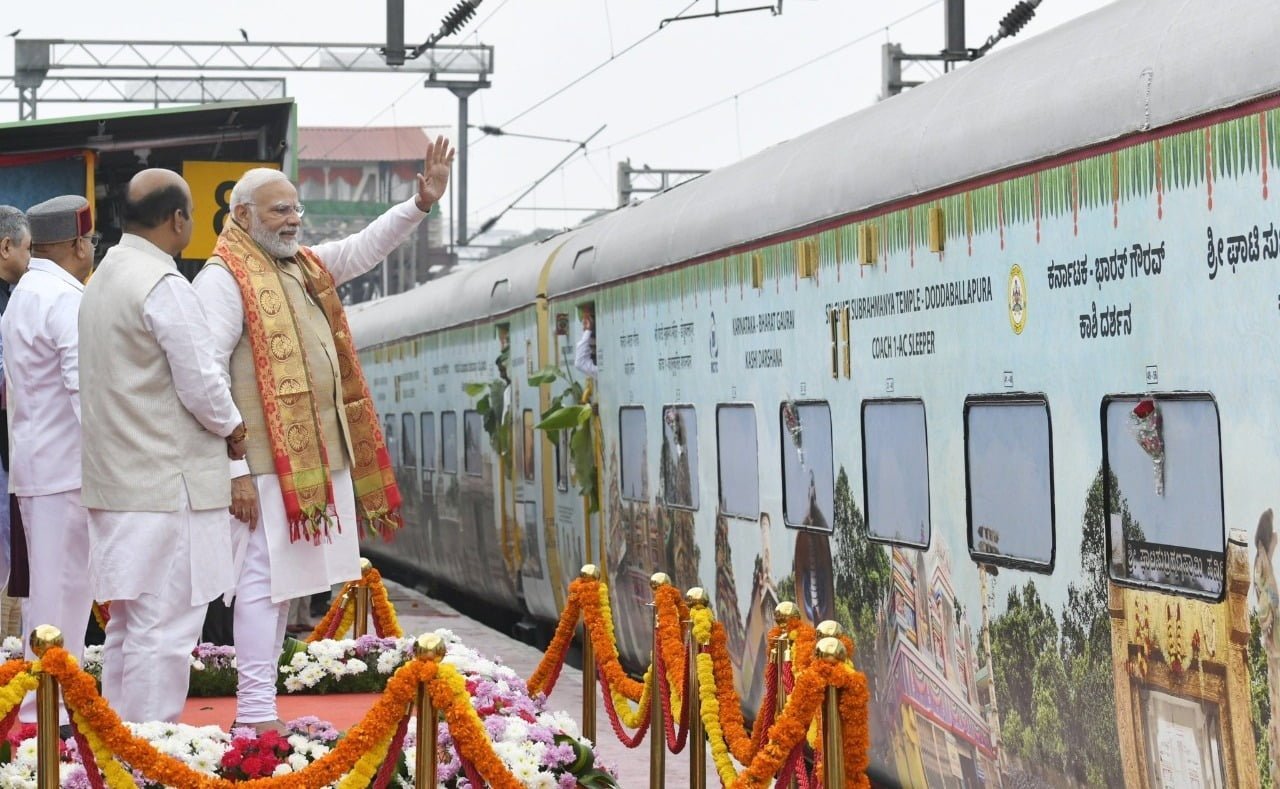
(159, 424)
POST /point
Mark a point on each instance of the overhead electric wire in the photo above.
(591, 71)
(771, 79)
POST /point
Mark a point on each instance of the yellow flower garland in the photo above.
(711, 720)
(113, 773)
(702, 620)
(11, 695)
(622, 705)
(366, 767)
(348, 619)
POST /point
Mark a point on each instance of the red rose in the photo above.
(252, 766)
(1144, 408)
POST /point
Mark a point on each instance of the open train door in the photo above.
(96, 155)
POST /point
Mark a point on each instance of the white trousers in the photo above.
(146, 657)
(57, 530)
(259, 633)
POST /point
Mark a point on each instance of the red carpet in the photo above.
(343, 710)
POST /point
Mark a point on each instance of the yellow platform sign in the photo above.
(211, 184)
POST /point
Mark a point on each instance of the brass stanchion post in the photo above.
(430, 647)
(362, 600)
(44, 638)
(784, 614)
(832, 650)
(696, 598)
(588, 667)
(657, 737)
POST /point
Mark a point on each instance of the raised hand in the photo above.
(434, 177)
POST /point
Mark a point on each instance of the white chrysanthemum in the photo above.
(197, 665)
(388, 662)
(356, 666)
(282, 768)
(293, 684)
(297, 761)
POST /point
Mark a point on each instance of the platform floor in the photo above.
(418, 614)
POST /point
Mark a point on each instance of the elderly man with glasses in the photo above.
(317, 467)
(42, 373)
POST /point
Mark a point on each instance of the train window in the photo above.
(808, 480)
(738, 451)
(635, 454)
(472, 431)
(1162, 458)
(527, 459)
(409, 441)
(895, 471)
(449, 442)
(562, 460)
(389, 436)
(428, 440)
(1009, 477)
(680, 456)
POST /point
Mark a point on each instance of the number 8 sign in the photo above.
(211, 184)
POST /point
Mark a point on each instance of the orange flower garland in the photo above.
(672, 610)
(11, 669)
(802, 709)
(542, 679)
(601, 635)
(449, 693)
(334, 615)
(81, 695)
(735, 730)
(385, 623)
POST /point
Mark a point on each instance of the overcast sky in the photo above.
(669, 102)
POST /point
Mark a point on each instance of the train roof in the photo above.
(1124, 69)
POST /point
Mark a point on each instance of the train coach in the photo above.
(980, 372)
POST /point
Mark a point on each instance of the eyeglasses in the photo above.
(282, 210)
(93, 239)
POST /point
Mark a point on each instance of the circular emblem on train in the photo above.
(1017, 299)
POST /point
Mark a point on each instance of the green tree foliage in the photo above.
(863, 575)
(1026, 630)
(1259, 699)
(1092, 743)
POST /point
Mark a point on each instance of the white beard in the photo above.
(273, 243)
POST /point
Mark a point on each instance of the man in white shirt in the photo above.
(41, 367)
(584, 353)
(159, 423)
(317, 464)
(15, 256)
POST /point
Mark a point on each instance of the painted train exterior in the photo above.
(1033, 473)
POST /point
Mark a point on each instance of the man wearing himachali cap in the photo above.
(41, 367)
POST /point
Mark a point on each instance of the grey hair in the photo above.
(252, 181)
(13, 223)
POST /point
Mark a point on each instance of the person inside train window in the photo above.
(584, 354)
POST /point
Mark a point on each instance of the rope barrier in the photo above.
(342, 614)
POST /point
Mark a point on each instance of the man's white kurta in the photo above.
(41, 365)
(300, 568)
(123, 542)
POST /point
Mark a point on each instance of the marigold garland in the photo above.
(99, 722)
(599, 622)
(328, 624)
(802, 708)
(17, 687)
(671, 611)
(385, 623)
(631, 741)
(710, 708)
(449, 694)
(543, 679)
